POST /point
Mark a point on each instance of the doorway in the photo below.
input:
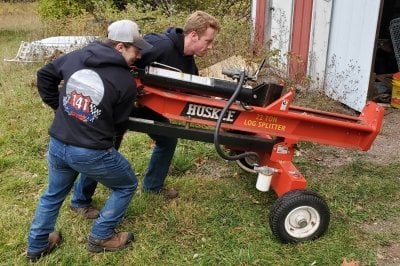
(385, 64)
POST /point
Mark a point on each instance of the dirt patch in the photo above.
(388, 254)
(214, 168)
(386, 147)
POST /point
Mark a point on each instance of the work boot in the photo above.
(89, 212)
(116, 242)
(55, 240)
(169, 193)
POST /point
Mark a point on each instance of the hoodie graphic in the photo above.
(84, 92)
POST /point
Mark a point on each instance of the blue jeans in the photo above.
(159, 163)
(157, 170)
(65, 162)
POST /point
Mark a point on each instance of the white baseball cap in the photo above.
(127, 31)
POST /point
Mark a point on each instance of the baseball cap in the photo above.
(127, 31)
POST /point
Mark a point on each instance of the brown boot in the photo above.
(89, 212)
(117, 242)
(55, 240)
(169, 193)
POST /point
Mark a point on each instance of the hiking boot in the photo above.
(88, 212)
(55, 239)
(169, 193)
(117, 242)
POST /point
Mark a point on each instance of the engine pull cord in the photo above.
(219, 122)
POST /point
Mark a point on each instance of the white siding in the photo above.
(350, 51)
(281, 28)
(319, 38)
(253, 12)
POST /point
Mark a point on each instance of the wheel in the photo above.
(247, 163)
(298, 216)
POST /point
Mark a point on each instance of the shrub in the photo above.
(221, 8)
(61, 9)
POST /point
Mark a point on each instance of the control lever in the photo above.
(235, 73)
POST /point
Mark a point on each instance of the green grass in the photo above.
(219, 218)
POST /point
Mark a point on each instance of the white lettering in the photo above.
(215, 113)
(209, 112)
(200, 111)
(229, 116)
(191, 109)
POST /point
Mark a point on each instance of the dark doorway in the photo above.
(385, 60)
(385, 64)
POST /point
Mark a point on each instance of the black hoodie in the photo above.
(96, 97)
(168, 49)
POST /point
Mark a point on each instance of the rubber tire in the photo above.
(289, 202)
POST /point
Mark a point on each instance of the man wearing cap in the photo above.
(93, 104)
(177, 48)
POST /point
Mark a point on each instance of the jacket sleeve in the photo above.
(149, 56)
(123, 109)
(48, 80)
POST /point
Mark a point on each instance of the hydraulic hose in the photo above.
(219, 122)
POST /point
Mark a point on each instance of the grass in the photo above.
(219, 218)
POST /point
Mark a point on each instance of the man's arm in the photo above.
(162, 47)
(149, 56)
(47, 82)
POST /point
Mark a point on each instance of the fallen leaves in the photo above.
(350, 263)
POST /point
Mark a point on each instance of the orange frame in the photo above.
(278, 119)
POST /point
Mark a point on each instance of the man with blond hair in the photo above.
(177, 47)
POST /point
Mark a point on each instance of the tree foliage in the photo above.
(59, 9)
(239, 8)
